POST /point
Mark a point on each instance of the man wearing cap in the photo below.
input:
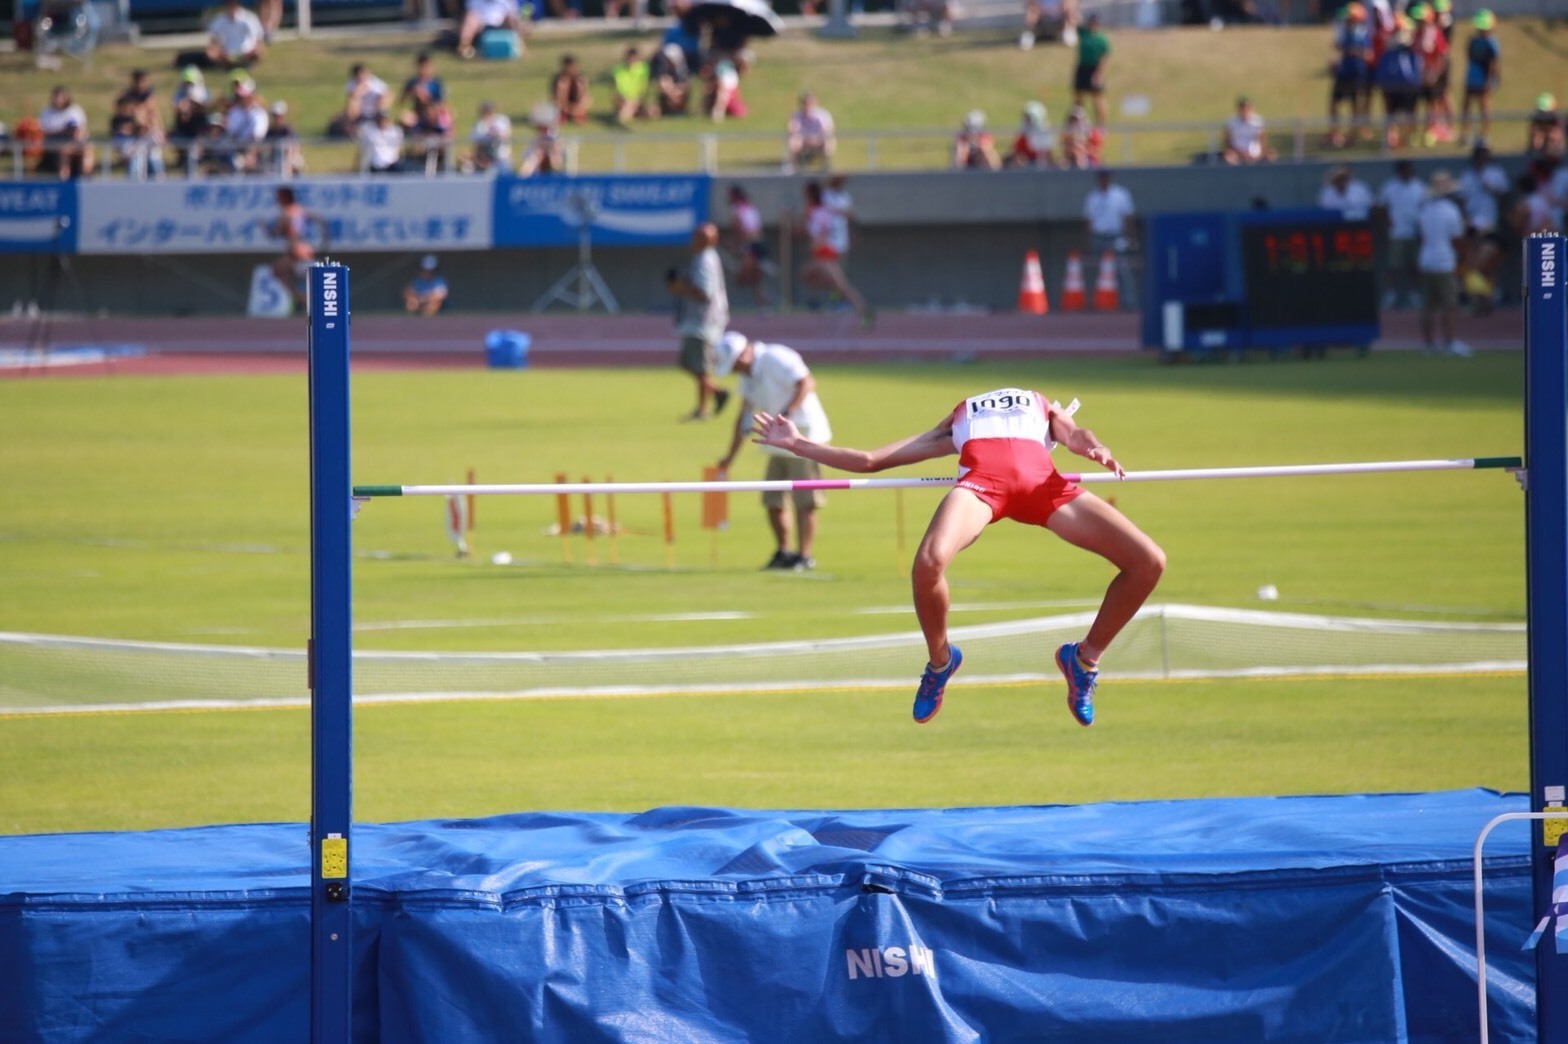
(775, 380)
(235, 38)
(1442, 242)
(1483, 72)
(425, 294)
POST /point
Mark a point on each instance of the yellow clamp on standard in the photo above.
(334, 856)
(1552, 830)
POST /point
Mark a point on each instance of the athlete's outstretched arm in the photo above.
(1081, 441)
(771, 429)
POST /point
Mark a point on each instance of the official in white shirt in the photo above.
(1442, 240)
(1112, 220)
(1347, 194)
(1400, 200)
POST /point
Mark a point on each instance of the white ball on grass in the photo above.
(501, 558)
(1268, 593)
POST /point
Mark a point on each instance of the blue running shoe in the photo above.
(928, 698)
(1080, 684)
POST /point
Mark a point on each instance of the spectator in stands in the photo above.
(140, 92)
(1080, 141)
(479, 15)
(683, 34)
(127, 148)
(923, 13)
(614, 9)
(364, 95)
(629, 88)
(235, 38)
(191, 122)
(671, 81)
(1347, 194)
(426, 293)
(270, 14)
(1432, 47)
(1113, 229)
(1399, 203)
(146, 157)
(244, 129)
(381, 145)
(1246, 138)
(810, 136)
(1398, 75)
(1442, 232)
(973, 146)
(425, 116)
(1035, 143)
(749, 244)
(1544, 135)
(1481, 190)
(1058, 18)
(823, 270)
(283, 154)
(1094, 53)
(569, 91)
(67, 151)
(1353, 66)
(721, 90)
(1483, 72)
(492, 141)
(543, 154)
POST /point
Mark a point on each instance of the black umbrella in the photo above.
(744, 17)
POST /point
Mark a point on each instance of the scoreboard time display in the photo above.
(1305, 273)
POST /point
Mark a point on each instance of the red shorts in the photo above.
(1029, 494)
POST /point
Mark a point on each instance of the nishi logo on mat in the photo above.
(890, 962)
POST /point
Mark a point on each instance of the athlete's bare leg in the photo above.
(1092, 524)
(959, 519)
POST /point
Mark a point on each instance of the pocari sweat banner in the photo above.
(618, 211)
(37, 217)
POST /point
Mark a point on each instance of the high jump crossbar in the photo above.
(788, 485)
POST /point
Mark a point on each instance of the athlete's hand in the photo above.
(1102, 456)
(774, 429)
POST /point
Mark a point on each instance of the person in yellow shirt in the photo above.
(630, 79)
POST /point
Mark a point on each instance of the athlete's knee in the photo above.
(928, 566)
(1149, 564)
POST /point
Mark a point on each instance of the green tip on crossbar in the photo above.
(380, 491)
(1499, 462)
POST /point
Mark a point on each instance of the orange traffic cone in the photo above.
(1073, 299)
(1031, 290)
(1105, 297)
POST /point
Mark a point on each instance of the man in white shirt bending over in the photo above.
(1347, 194)
(1246, 139)
(775, 380)
(810, 135)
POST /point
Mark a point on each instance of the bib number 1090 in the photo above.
(1001, 402)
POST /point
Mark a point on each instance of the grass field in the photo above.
(881, 81)
(174, 509)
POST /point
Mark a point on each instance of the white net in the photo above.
(43, 673)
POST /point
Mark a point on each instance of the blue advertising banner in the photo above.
(37, 217)
(360, 214)
(619, 211)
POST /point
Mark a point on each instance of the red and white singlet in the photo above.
(1003, 439)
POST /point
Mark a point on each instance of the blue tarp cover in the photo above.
(1309, 919)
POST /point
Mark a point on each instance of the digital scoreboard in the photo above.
(1274, 279)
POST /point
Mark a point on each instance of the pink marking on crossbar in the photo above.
(822, 484)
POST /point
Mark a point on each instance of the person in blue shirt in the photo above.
(1483, 71)
(1352, 73)
(1398, 76)
(425, 294)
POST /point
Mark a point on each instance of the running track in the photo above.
(243, 345)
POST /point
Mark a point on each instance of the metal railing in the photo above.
(731, 152)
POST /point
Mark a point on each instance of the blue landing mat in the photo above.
(1282, 919)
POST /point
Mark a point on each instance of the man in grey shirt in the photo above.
(703, 313)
